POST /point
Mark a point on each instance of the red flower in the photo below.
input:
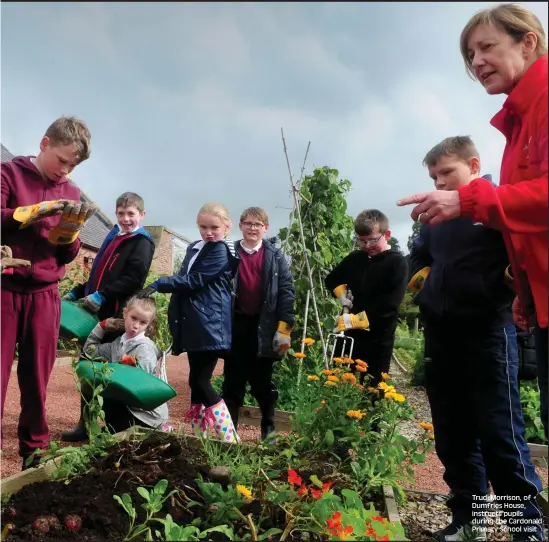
(294, 478)
(316, 493)
(378, 518)
(302, 491)
(370, 531)
(326, 487)
(334, 521)
(128, 360)
(384, 537)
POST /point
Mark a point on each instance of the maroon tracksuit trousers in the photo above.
(30, 320)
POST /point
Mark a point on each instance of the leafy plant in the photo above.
(531, 410)
(154, 501)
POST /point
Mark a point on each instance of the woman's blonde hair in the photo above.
(148, 304)
(514, 19)
(216, 209)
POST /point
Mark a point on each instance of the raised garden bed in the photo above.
(37, 504)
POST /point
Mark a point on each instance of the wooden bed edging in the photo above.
(15, 482)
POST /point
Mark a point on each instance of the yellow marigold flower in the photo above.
(426, 426)
(355, 414)
(430, 436)
(245, 492)
(312, 378)
(309, 342)
(337, 360)
(333, 378)
(349, 377)
(323, 402)
(330, 383)
(299, 355)
(361, 368)
(399, 398)
(385, 387)
(385, 376)
(327, 372)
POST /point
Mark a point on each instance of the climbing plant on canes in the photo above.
(328, 239)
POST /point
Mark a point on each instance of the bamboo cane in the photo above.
(307, 264)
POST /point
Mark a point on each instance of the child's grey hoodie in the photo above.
(144, 351)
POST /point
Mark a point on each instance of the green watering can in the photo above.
(76, 321)
(128, 385)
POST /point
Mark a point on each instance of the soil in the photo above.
(127, 466)
(91, 496)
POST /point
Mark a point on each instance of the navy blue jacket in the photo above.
(278, 296)
(466, 281)
(200, 309)
(123, 275)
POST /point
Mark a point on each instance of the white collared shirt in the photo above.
(125, 339)
(251, 250)
(122, 232)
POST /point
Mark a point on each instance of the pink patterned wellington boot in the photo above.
(196, 417)
(219, 417)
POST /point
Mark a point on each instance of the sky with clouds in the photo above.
(185, 101)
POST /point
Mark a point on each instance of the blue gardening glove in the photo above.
(69, 297)
(93, 302)
(147, 291)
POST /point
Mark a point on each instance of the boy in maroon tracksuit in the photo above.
(41, 218)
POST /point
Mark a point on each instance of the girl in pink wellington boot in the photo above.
(200, 316)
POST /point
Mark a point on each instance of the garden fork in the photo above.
(345, 340)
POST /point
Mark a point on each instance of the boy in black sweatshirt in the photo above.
(377, 276)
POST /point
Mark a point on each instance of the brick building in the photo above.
(170, 249)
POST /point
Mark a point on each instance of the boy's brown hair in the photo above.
(462, 147)
(130, 199)
(366, 221)
(255, 212)
(68, 130)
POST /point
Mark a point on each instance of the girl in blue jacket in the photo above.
(200, 316)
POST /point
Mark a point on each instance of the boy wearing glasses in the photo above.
(262, 321)
(376, 275)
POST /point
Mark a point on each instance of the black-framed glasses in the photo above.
(367, 241)
(253, 225)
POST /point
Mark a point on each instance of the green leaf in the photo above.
(161, 486)
(315, 480)
(144, 493)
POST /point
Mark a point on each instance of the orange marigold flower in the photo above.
(299, 355)
(430, 436)
(349, 377)
(337, 360)
(333, 378)
(327, 372)
(361, 368)
(323, 402)
(294, 478)
(330, 383)
(312, 378)
(385, 376)
(355, 414)
(426, 426)
(309, 342)
(360, 362)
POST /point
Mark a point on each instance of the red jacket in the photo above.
(22, 184)
(519, 206)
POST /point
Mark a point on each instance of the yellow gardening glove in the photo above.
(72, 221)
(29, 214)
(344, 296)
(352, 321)
(282, 339)
(416, 283)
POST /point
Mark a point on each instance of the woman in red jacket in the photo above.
(505, 49)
